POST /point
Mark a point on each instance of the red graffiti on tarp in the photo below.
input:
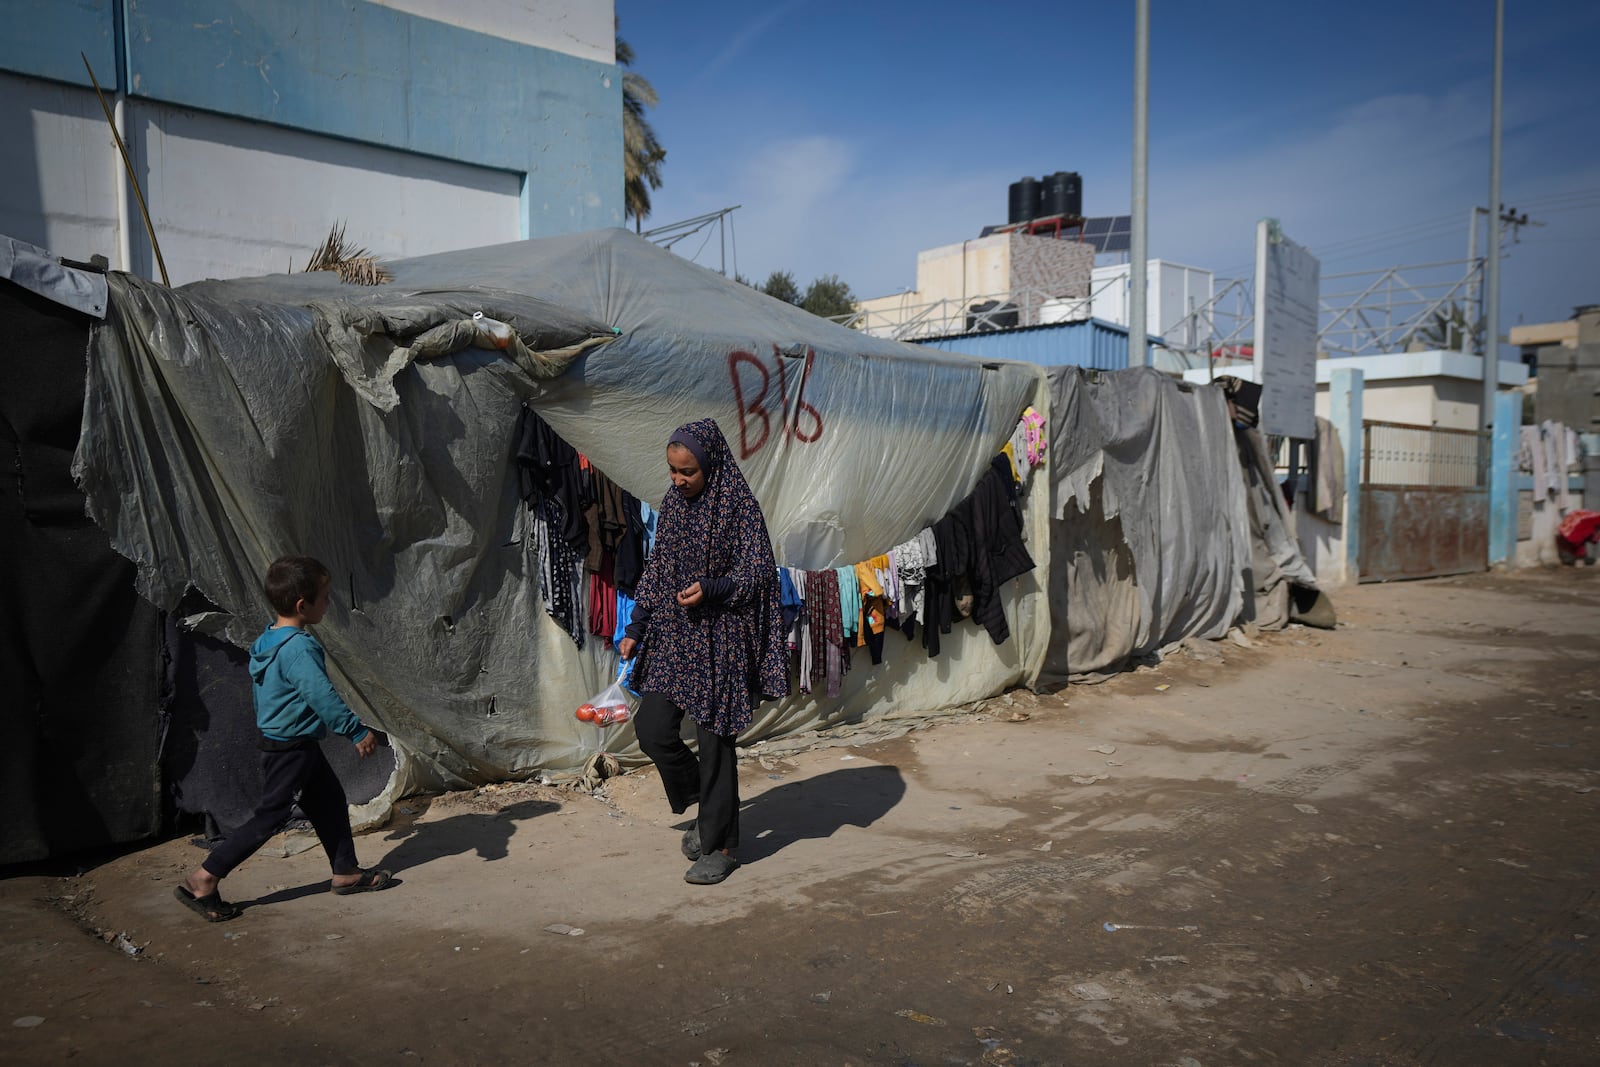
(752, 381)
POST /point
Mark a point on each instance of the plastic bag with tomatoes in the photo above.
(608, 707)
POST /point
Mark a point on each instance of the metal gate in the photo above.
(1424, 501)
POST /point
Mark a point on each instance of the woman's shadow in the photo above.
(816, 808)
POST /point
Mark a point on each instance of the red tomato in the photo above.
(587, 713)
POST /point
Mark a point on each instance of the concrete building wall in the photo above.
(966, 271)
(58, 189)
(253, 127)
(579, 28)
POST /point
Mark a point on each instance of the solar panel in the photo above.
(1109, 233)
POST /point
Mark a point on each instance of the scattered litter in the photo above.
(407, 811)
(715, 1056)
(1112, 928)
(1511, 863)
(1167, 959)
(919, 1017)
(823, 997)
(27, 1021)
(1087, 779)
(763, 833)
(1044, 847)
(127, 946)
(843, 759)
(233, 935)
(1091, 991)
(561, 928)
(1018, 716)
(1104, 749)
(1163, 687)
(966, 854)
(1306, 809)
(333, 937)
(258, 1007)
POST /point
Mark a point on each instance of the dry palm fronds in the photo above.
(356, 266)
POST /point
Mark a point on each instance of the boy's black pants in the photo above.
(711, 780)
(302, 769)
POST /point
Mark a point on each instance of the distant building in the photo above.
(1565, 357)
(987, 283)
(423, 125)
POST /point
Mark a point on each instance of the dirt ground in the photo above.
(1373, 845)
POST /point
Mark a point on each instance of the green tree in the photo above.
(642, 154)
(781, 285)
(829, 296)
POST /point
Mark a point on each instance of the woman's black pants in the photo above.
(710, 779)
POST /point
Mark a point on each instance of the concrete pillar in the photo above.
(1345, 385)
(1502, 492)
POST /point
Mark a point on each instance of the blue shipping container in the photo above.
(1091, 343)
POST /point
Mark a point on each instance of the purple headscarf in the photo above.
(714, 660)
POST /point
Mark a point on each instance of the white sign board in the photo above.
(1287, 281)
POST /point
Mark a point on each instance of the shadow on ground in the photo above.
(815, 808)
(486, 833)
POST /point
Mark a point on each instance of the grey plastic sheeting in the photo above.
(1150, 533)
(227, 423)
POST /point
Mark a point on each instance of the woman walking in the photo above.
(707, 632)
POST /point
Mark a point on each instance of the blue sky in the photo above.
(857, 134)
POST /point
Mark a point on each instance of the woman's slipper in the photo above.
(369, 882)
(691, 843)
(211, 907)
(710, 869)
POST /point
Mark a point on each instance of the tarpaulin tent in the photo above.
(1149, 533)
(226, 423)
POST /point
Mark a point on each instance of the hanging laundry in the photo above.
(849, 600)
(874, 610)
(827, 629)
(547, 469)
(560, 570)
(633, 547)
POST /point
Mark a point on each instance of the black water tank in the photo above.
(1024, 201)
(1061, 194)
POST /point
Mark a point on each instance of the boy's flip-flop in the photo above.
(369, 882)
(211, 907)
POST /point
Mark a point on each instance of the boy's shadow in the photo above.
(486, 833)
(816, 808)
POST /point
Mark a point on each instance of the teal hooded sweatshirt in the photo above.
(294, 699)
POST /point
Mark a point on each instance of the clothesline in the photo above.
(953, 568)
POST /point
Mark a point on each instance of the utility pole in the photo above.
(1491, 344)
(1474, 271)
(1138, 245)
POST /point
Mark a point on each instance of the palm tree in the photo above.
(641, 152)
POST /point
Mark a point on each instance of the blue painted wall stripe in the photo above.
(1345, 403)
(1502, 500)
(44, 39)
(361, 72)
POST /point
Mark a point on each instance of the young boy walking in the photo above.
(296, 706)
